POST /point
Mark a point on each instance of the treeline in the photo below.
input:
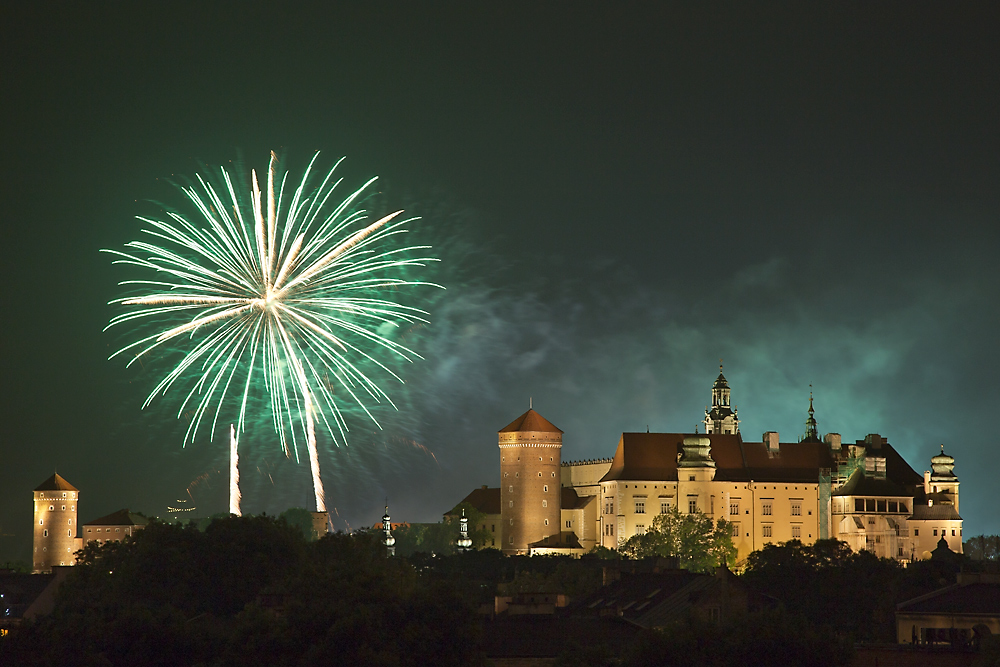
(248, 591)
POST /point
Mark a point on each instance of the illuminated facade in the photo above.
(863, 493)
(113, 527)
(55, 533)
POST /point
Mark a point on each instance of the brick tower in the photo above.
(530, 492)
(55, 540)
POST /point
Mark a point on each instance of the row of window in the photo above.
(506, 474)
(876, 505)
(944, 532)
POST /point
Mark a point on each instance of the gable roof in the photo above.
(973, 599)
(484, 499)
(119, 518)
(653, 456)
(530, 421)
(56, 483)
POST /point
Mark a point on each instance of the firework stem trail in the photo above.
(276, 287)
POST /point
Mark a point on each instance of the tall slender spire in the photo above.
(812, 433)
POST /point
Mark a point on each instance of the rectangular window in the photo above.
(569, 524)
(859, 504)
(796, 508)
(869, 504)
(640, 528)
(734, 507)
(935, 532)
(953, 532)
(916, 532)
(765, 507)
(765, 530)
(796, 532)
(692, 504)
(893, 506)
(640, 507)
(880, 506)
(664, 507)
(735, 529)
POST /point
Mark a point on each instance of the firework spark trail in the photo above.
(273, 289)
(234, 472)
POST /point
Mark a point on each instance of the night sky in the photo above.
(621, 195)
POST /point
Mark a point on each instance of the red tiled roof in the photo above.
(486, 500)
(530, 421)
(571, 500)
(119, 518)
(56, 483)
(653, 456)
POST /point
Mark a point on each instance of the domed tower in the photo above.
(943, 482)
(530, 496)
(721, 418)
(55, 540)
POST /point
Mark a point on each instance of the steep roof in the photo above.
(119, 518)
(974, 599)
(935, 513)
(530, 421)
(653, 456)
(484, 499)
(56, 483)
(861, 485)
(570, 499)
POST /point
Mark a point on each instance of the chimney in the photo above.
(833, 440)
(927, 481)
(770, 439)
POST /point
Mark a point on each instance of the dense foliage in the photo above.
(855, 593)
(697, 542)
(247, 591)
(983, 547)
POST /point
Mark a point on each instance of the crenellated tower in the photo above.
(530, 496)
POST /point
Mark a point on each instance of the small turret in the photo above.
(463, 543)
(387, 539)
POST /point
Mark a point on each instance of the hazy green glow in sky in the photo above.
(621, 195)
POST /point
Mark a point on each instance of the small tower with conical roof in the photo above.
(721, 418)
(387, 539)
(530, 495)
(812, 432)
(55, 540)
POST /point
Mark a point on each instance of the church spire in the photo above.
(812, 433)
(464, 543)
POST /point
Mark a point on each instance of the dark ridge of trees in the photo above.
(854, 593)
(247, 591)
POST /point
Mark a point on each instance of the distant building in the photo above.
(863, 493)
(55, 533)
(958, 615)
(113, 527)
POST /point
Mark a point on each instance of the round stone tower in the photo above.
(530, 495)
(55, 540)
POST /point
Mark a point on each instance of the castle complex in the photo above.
(863, 493)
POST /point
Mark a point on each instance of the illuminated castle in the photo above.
(863, 493)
